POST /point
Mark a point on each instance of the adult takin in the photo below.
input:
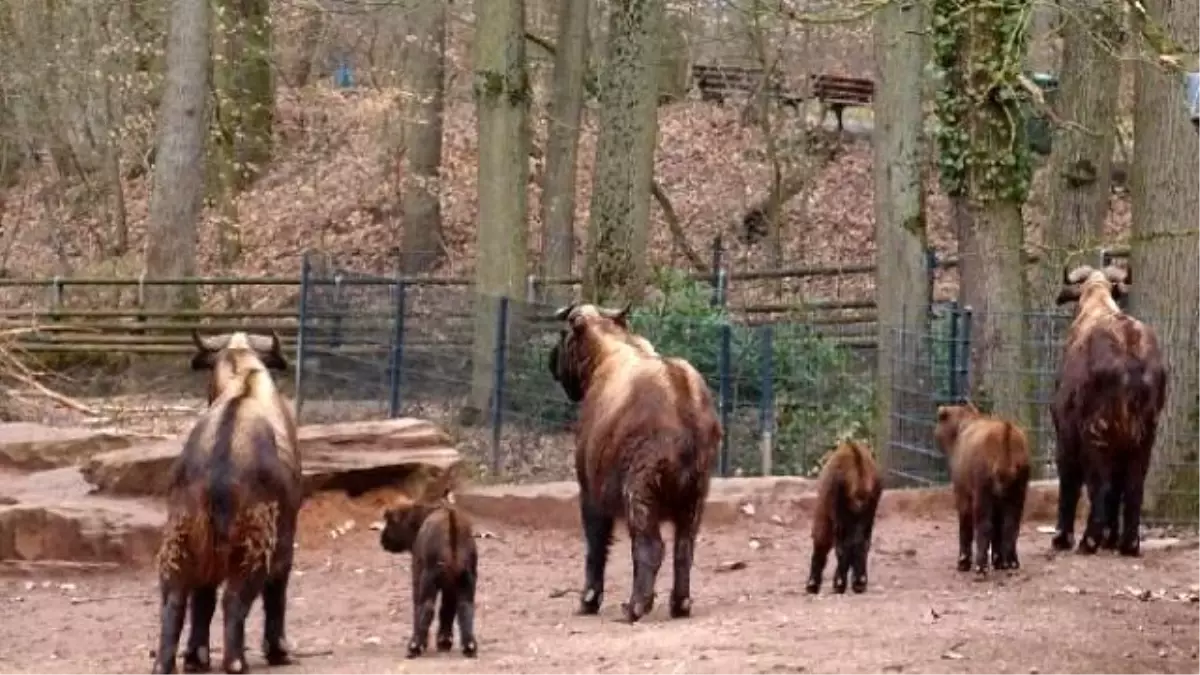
(1110, 391)
(848, 493)
(645, 443)
(233, 497)
(444, 560)
(989, 469)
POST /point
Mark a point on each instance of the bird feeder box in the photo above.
(1192, 85)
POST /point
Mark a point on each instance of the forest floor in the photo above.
(350, 608)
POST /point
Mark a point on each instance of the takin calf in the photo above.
(1108, 396)
(848, 495)
(645, 442)
(989, 469)
(233, 497)
(444, 560)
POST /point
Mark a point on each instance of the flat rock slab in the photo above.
(36, 447)
(50, 516)
(350, 456)
(556, 505)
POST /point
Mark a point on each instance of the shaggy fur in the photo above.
(444, 560)
(233, 498)
(646, 440)
(848, 495)
(1109, 394)
(989, 468)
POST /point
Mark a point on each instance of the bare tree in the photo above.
(421, 246)
(1165, 182)
(902, 282)
(624, 169)
(562, 144)
(502, 95)
(178, 193)
(245, 90)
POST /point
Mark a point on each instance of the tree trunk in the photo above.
(1164, 256)
(1044, 40)
(421, 245)
(310, 39)
(620, 207)
(502, 95)
(245, 88)
(902, 280)
(562, 146)
(1079, 172)
(179, 170)
(986, 171)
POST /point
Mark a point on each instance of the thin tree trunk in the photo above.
(245, 88)
(902, 281)
(421, 245)
(178, 192)
(620, 207)
(1079, 172)
(1043, 54)
(562, 146)
(310, 39)
(502, 94)
(1164, 261)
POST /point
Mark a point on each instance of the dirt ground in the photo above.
(350, 609)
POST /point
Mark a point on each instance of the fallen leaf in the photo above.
(731, 566)
(748, 509)
(1073, 590)
(952, 655)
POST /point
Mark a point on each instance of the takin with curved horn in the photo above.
(1110, 392)
(646, 439)
(233, 497)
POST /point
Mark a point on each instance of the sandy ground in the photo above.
(350, 610)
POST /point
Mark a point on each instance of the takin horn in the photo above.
(563, 312)
(617, 314)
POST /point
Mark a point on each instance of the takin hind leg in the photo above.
(1134, 492)
(1112, 512)
(1070, 481)
(466, 608)
(445, 631)
(173, 612)
(597, 533)
(198, 656)
(685, 548)
(966, 533)
(274, 596)
(647, 544)
(1099, 486)
(984, 502)
(236, 600)
(425, 592)
(1013, 508)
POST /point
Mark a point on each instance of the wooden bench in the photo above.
(838, 93)
(717, 82)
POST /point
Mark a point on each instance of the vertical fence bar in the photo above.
(766, 405)
(931, 265)
(964, 355)
(952, 354)
(335, 337)
(498, 381)
(302, 329)
(726, 393)
(396, 362)
(717, 266)
(56, 297)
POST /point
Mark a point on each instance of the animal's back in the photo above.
(849, 475)
(992, 453)
(446, 540)
(651, 417)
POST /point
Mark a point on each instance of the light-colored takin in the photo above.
(1108, 396)
(647, 437)
(233, 498)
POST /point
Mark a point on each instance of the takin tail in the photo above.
(1010, 459)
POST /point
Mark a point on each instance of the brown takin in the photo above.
(233, 497)
(1110, 391)
(848, 495)
(989, 469)
(645, 443)
(444, 560)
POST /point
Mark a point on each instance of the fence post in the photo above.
(766, 405)
(531, 289)
(964, 355)
(717, 266)
(335, 336)
(141, 296)
(56, 297)
(498, 381)
(302, 329)
(726, 393)
(396, 361)
(931, 265)
(952, 354)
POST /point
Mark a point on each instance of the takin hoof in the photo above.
(197, 660)
(415, 649)
(470, 649)
(1062, 541)
(681, 608)
(589, 602)
(839, 586)
(445, 643)
(1111, 542)
(278, 654)
(1130, 549)
(981, 571)
(859, 585)
(163, 665)
(964, 564)
(1088, 545)
(813, 586)
(636, 609)
(235, 665)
